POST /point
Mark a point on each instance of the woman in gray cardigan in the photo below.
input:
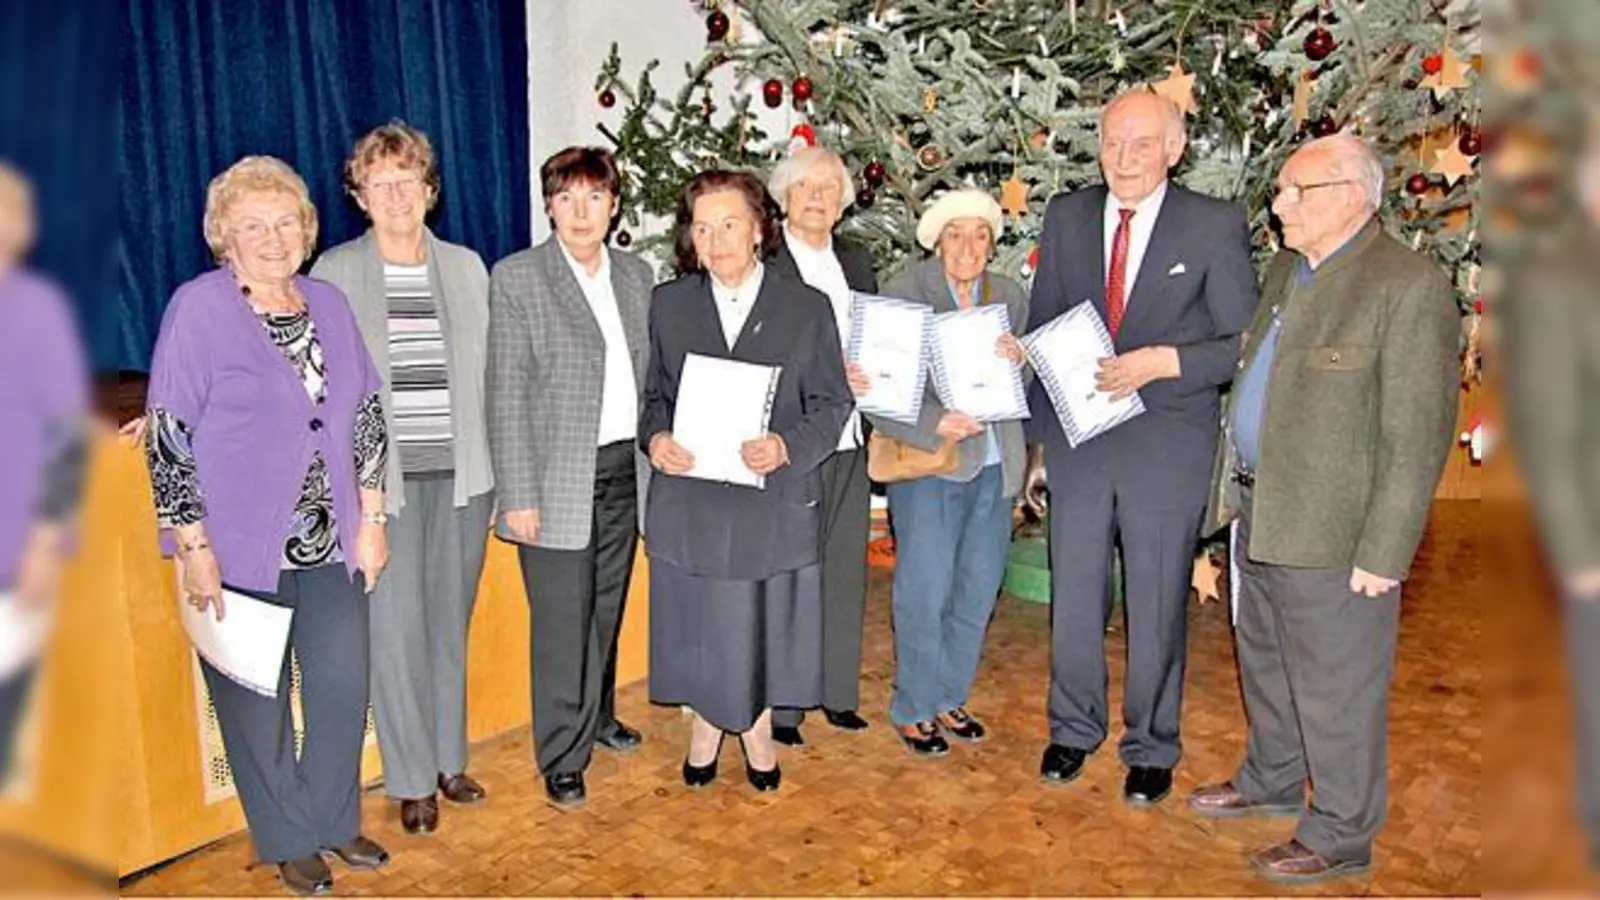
(952, 532)
(423, 308)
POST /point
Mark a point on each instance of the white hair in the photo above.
(1353, 158)
(794, 167)
(1176, 124)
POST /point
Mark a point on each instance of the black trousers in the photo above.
(846, 501)
(1582, 632)
(575, 603)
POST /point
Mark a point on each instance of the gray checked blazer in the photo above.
(546, 371)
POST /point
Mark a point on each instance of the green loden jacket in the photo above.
(1360, 410)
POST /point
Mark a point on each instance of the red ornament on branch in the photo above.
(803, 135)
(717, 25)
(1319, 44)
(608, 98)
(1433, 65)
(801, 89)
(1471, 142)
(772, 93)
(1324, 127)
(875, 173)
(1418, 184)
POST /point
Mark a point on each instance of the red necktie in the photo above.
(1116, 281)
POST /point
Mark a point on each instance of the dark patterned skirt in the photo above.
(730, 649)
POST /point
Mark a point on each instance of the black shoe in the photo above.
(361, 853)
(565, 789)
(845, 719)
(961, 724)
(699, 776)
(763, 781)
(619, 738)
(1061, 763)
(925, 740)
(788, 735)
(308, 875)
(1146, 786)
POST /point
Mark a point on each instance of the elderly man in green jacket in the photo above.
(1340, 421)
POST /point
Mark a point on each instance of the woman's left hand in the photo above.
(372, 552)
(764, 454)
(1009, 347)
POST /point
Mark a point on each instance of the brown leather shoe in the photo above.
(307, 876)
(1294, 863)
(420, 816)
(1224, 801)
(461, 788)
(361, 852)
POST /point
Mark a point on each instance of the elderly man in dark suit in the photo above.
(1169, 271)
(568, 345)
(1338, 427)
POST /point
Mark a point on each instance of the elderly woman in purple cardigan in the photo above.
(267, 449)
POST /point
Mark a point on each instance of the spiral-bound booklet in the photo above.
(889, 340)
(721, 404)
(968, 375)
(1066, 353)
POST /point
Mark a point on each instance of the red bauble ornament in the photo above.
(1324, 127)
(1418, 184)
(1433, 65)
(772, 93)
(1471, 142)
(607, 98)
(866, 197)
(1319, 44)
(801, 89)
(875, 173)
(717, 26)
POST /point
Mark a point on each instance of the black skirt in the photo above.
(730, 649)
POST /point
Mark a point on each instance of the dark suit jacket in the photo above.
(732, 531)
(853, 258)
(1195, 290)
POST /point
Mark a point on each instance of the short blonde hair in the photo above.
(17, 221)
(395, 141)
(794, 168)
(251, 175)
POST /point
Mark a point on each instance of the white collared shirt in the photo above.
(619, 397)
(821, 269)
(1142, 226)
(734, 304)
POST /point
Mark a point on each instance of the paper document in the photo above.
(247, 645)
(1066, 354)
(25, 629)
(968, 375)
(889, 339)
(721, 404)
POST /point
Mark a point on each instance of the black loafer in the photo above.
(927, 741)
(764, 781)
(845, 719)
(307, 876)
(788, 735)
(565, 789)
(1146, 786)
(361, 852)
(619, 738)
(697, 777)
(1061, 763)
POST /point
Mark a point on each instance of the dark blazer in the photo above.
(736, 532)
(853, 258)
(1195, 290)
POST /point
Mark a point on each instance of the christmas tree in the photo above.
(920, 96)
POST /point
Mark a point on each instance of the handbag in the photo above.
(890, 460)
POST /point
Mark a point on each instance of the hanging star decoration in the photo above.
(1451, 163)
(1178, 88)
(1014, 197)
(1304, 85)
(1206, 578)
(1452, 75)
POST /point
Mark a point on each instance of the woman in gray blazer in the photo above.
(952, 532)
(423, 308)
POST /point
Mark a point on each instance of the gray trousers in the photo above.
(1583, 637)
(846, 502)
(1315, 662)
(296, 807)
(420, 613)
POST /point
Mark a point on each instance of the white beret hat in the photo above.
(967, 203)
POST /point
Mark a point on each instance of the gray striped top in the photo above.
(419, 380)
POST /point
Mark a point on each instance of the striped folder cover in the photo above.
(910, 321)
(1065, 354)
(994, 392)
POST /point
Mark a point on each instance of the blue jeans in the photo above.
(952, 542)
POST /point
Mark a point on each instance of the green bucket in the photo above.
(1028, 569)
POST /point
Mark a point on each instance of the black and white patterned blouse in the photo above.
(313, 536)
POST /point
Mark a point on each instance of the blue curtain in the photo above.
(205, 82)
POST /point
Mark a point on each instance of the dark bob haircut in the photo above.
(580, 165)
(755, 195)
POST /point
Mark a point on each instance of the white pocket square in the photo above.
(1177, 269)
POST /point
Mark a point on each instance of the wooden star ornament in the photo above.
(1451, 163)
(1178, 88)
(1014, 197)
(1206, 578)
(1452, 75)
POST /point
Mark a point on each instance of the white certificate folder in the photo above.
(721, 404)
(968, 375)
(889, 340)
(1066, 353)
(249, 643)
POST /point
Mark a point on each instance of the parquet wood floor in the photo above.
(859, 815)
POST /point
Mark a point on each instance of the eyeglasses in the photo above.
(1294, 193)
(404, 186)
(257, 230)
